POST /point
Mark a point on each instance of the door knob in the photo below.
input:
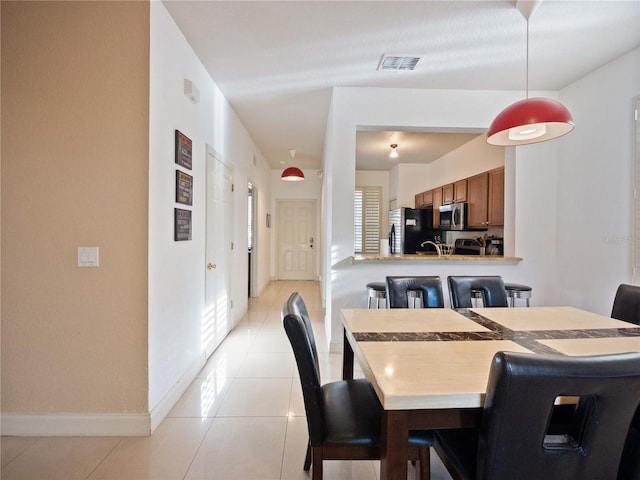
(211, 266)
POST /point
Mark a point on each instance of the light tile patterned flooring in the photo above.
(241, 418)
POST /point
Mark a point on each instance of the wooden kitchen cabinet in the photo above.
(424, 199)
(447, 194)
(485, 199)
(437, 203)
(460, 191)
(495, 206)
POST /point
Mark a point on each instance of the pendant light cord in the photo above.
(527, 69)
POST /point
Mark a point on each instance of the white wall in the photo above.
(595, 185)
(176, 269)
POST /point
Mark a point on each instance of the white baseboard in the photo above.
(71, 425)
(99, 425)
(164, 406)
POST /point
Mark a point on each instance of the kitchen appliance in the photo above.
(453, 216)
(409, 227)
(472, 246)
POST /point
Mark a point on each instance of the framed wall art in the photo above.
(184, 188)
(182, 224)
(183, 150)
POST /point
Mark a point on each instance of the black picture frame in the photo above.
(183, 150)
(184, 188)
(182, 224)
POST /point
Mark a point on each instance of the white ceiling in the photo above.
(276, 61)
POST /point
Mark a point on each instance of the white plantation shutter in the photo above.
(367, 207)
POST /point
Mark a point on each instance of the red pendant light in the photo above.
(532, 120)
(292, 174)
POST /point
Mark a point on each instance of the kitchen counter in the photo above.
(434, 258)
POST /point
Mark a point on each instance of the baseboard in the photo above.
(71, 425)
(99, 425)
(162, 409)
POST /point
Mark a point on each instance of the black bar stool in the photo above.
(517, 290)
(377, 291)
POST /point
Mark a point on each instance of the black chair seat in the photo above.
(352, 413)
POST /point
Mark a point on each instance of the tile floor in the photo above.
(241, 418)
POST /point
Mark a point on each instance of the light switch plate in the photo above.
(88, 256)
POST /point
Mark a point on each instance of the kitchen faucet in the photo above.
(434, 244)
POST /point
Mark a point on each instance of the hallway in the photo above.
(241, 418)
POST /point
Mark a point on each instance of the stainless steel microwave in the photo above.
(453, 216)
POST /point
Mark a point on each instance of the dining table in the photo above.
(429, 366)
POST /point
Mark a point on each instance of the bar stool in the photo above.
(476, 297)
(517, 290)
(377, 291)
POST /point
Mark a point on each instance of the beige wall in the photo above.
(75, 153)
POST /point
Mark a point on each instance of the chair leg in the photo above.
(425, 464)
(307, 459)
(316, 472)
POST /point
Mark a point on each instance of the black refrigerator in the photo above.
(410, 227)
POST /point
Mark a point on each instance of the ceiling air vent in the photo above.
(397, 63)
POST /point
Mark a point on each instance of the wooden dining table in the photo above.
(429, 367)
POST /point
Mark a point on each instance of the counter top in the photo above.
(433, 258)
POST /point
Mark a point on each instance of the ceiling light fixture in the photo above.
(532, 120)
(292, 174)
(394, 152)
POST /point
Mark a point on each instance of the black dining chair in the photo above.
(491, 288)
(516, 439)
(343, 417)
(626, 304)
(630, 462)
(428, 289)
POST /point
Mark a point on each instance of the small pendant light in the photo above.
(531, 120)
(394, 152)
(292, 174)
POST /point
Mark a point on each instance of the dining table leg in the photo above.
(394, 448)
(347, 358)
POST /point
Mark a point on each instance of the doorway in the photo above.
(296, 239)
(252, 237)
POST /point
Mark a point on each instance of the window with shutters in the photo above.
(367, 208)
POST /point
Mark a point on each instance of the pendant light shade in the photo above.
(292, 174)
(394, 152)
(531, 120)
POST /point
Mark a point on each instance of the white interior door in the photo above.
(296, 239)
(216, 321)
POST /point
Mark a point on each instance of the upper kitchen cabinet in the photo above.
(424, 199)
(437, 203)
(460, 191)
(485, 198)
(447, 194)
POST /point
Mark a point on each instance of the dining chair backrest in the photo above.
(491, 288)
(626, 304)
(298, 336)
(430, 289)
(521, 392)
(295, 304)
